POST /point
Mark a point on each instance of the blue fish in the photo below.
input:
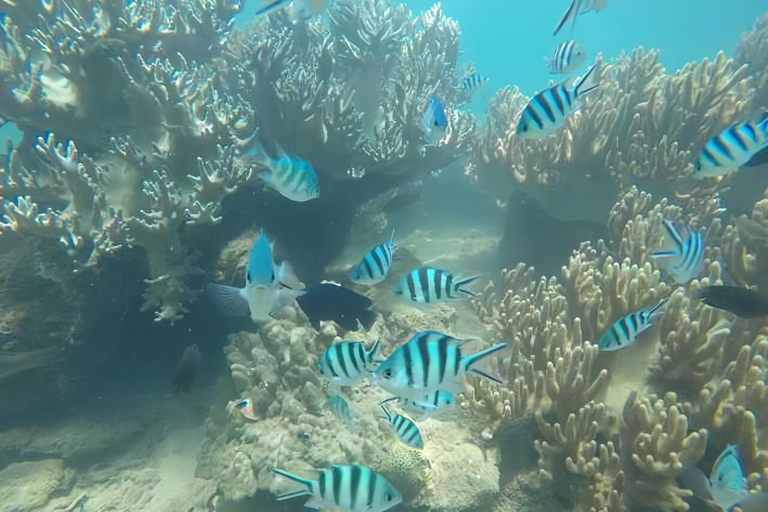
(473, 82)
(624, 331)
(732, 149)
(291, 176)
(729, 483)
(429, 285)
(566, 58)
(685, 258)
(434, 117)
(405, 428)
(547, 110)
(375, 264)
(264, 291)
(428, 362)
(340, 408)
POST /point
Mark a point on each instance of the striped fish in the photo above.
(339, 408)
(375, 264)
(624, 331)
(432, 403)
(347, 363)
(473, 82)
(579, 7)
(428, 362)
(685, 258)
(566, 58)
(291, 176)
(732, 149)
(548, 109)
(353, 488)
(429, 285)
(405, 428)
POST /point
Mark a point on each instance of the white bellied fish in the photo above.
(682, 257)
(291, 176)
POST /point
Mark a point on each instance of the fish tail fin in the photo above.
(460, 286)
(763, 124)
(260, 156)
(392, 237)
(589, 82)
(228, 299)
(657, 306)
(570, 15)
(673, 242)
(477, 356)
(387, 415)
(296, 493)
(373, 351)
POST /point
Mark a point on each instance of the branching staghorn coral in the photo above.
(625, 131)
(753, 50)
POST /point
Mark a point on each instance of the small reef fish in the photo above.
(547, 110)
(268, 6)
(685, 259)
(405, 428)
(263, 294)
(429, 285)
(751, 229)
(347, 363)
(732, 149)
(741, 302)
(374, 266)
(432, 403)
(331, 301)
(624, 331)
(245, 406)
(473, 81)
(579, 7)
(566, 58)
(339, 408)
(187, 370)
(428, 362)
(352, 488)
(434, 117)
(291, 176)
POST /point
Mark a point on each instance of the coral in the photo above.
(29, 485)
(655, 445)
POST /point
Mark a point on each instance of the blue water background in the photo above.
(508, 39)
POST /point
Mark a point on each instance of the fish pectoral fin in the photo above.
(282, 298)
(287, 276)
(266, 176)
(293, 494)
(229, 300)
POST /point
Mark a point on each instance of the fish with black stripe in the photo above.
(347, 363)
(431, 403)
(374, 266)
(579, 7)
(566, 58)
(353, 488)
(428, 362)
(624, 331)
(682, 257)
(405, 429)
(429, 285)
(732, 149)
(547, 110)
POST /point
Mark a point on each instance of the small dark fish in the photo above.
(187, 371)
(741, 302)
(331, 301)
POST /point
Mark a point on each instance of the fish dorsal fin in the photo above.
(436, 335)
(325, 281)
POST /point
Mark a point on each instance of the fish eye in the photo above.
(388, 497)
(248, 276)
(387, 373)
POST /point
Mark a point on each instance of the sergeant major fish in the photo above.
(405, 429)
(263, 294)
(352, 488)
(732, 149)
(624, 331)
(429, 285)
(374, 266)
(684, 259)
(547, 110)
(566, 58)
(291, 176)
(339, 408)
(431, 403)
(428, 362)
(472, 80)
(347, 363)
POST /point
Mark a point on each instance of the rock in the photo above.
(26, 486)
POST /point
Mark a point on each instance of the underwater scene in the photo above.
(366, 255)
